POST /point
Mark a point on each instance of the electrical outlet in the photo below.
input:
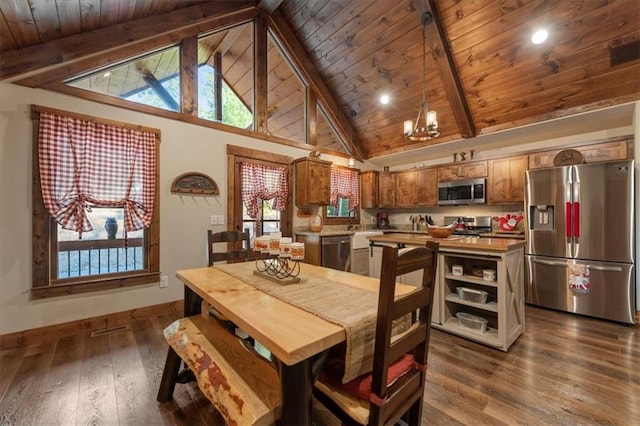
(164, 281)
(217, 219)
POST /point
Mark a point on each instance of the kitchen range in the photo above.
(469, 225)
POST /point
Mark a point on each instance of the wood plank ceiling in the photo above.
(483, 73)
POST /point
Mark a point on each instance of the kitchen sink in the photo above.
(360, 239)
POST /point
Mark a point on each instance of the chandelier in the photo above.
(426, 126)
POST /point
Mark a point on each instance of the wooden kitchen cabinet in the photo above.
(386, 189)
(416, 188)
(369, 189)
(313, 182)
(506, 179)
(406, 189)
(427, 187)
(476, 169)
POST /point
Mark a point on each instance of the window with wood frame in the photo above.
(270, 212)
(224, 93)
(239, 76)
(95, 201)
(151, 80)
(344, 201)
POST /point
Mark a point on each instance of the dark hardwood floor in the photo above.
(564, 370)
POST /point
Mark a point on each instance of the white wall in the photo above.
(184, 219)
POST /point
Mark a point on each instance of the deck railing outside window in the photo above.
(97, 257)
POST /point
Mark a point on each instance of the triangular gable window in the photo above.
(327, 135)
(152, 80)
(285, 96)
(225, 76)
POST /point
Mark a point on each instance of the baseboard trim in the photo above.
(93, 324)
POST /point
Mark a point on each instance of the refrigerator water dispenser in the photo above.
(543, 218)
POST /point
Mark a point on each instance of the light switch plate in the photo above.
(164, 281)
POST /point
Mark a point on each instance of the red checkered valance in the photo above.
(345, 184)
(85, 164)
(259, 183)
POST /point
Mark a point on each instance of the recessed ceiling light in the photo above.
(384, 99)
(540, 36)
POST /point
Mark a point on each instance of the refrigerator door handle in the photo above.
(576, 219)
(594, 267)
(567, 219)
(549, 262)
(606, 268)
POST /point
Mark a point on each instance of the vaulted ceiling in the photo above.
(483, 73)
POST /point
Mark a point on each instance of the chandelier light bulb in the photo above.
(408, 127)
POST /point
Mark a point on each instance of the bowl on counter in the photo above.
(439, 231)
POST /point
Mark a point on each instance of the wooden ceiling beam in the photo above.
(305, 66)
(443, 57)
(166, 28)
(269, 6)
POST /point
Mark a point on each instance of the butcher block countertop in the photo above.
(452, 242)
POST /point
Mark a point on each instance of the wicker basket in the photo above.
(315, 223)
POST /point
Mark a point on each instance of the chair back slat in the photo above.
(412, 302)
(238, 246)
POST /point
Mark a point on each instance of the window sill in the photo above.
(55, 290)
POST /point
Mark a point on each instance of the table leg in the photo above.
(296, 391)
(191, 302)
(169, 375)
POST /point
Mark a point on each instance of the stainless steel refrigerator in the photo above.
(580, 239)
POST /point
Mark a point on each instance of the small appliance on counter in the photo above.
(382, 221)
(469, 225)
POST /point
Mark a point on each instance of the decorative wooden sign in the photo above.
(568, 157)
(194, 183)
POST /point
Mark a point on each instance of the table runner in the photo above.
(353, 308)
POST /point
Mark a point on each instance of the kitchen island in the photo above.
(496, 321)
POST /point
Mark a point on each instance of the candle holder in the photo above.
(279, 267)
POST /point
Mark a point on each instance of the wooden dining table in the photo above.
(298, 339)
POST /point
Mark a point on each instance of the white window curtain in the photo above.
(261, 182)
(85, 164)
(345, 184)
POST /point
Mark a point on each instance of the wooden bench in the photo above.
(241, 385)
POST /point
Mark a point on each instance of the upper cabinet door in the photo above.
(369, 189)
(313, 182)
(427, 187)
(473, 170)
(406, 189)
(506, 179)
(386, 189)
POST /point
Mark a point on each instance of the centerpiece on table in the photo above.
(282, 266)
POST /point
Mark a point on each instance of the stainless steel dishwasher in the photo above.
(336, 251)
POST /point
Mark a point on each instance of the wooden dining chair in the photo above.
(238, 246)
(395, 387)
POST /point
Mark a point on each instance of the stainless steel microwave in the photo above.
(471, 191)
